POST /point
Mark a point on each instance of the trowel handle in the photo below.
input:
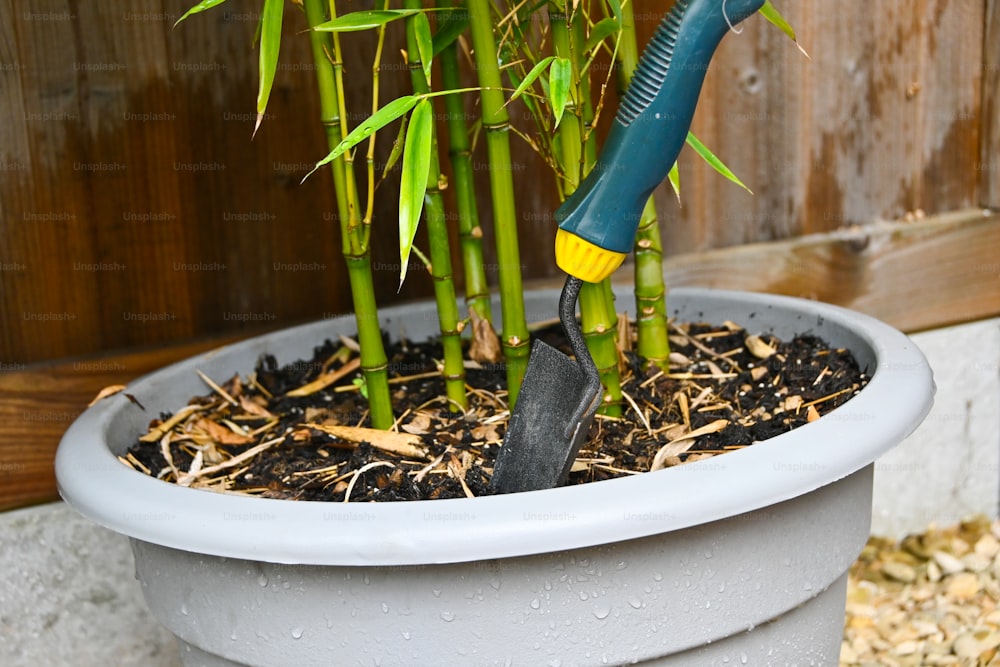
(598, 222)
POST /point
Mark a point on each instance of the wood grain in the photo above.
(37, 404)
(135, 209)
(918, 275)
(989, 153)
(914, 275)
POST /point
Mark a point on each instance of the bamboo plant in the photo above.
(539, 55)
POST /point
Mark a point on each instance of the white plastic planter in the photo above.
(738, 559)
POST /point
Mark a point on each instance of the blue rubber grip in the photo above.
(652, 122)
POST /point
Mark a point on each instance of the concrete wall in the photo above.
(68, 597)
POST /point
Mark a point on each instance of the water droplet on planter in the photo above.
(744, 659)
(262, 580)
(436, 592)
(232, 637)
(447, 616)
(722, 587)
(385, 608)
(366, 579)
(406, 635)
(535, 603)
(634, 602)
(657, 576)
(296, 633)
(184, 610)
(584, 596)
(601, 613)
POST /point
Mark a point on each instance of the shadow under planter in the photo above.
(737, 559)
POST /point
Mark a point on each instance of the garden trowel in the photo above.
(597, 228)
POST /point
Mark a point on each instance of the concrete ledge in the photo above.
(950, 467)
(70, 598)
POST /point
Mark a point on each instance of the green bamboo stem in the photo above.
(440, 248)
(496, 125)
(470, 234)
(357, 253)
(650, 289)
(597, 313)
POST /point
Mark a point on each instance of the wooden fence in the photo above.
(135, 210)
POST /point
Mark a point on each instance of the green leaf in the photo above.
(674, 176)
(600, 32)
(397, 149)
(270, 42)
(413, 180)
(535, 72)
(769, 12)
(365, 20)
(425, 44)
(451, 23)
(373, 123)
(200, 7)
(361, 385)
(616, 9)
(713, 161)
(560, 80)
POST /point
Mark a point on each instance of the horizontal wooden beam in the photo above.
(38, 403)
(913, 275)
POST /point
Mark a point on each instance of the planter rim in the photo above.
(896, 399)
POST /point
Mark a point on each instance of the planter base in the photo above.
(765, 587)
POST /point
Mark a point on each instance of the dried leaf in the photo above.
(250, 406)
(326, 379)
(110, 390)
(388, 441)
(485, 346)
(758, 347)
(221, 434)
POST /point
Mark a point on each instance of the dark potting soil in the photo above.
(298, 431)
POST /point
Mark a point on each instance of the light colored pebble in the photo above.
(899, 571)
(988, 546)
(966, 646)
(931, 599)
(948, 563)
(963, 585)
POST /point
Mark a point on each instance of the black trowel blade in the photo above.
(548, 425)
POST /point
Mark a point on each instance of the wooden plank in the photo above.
(880, 121)
(989, 152)
(37, 404)
(913, 275)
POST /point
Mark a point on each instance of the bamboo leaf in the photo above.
(451, 23)
(616, 9)
(270, 43)
(373, 123)
(529, 79)
(413, 180)
(365, 20)
(425, 44)
(200, 7)
(713, 161)
(769, 12)
(560, 80)
(674, 176)
(397, 149)
(600, 32)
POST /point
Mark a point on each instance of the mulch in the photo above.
(300, 431)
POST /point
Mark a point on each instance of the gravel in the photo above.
(929, 599)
